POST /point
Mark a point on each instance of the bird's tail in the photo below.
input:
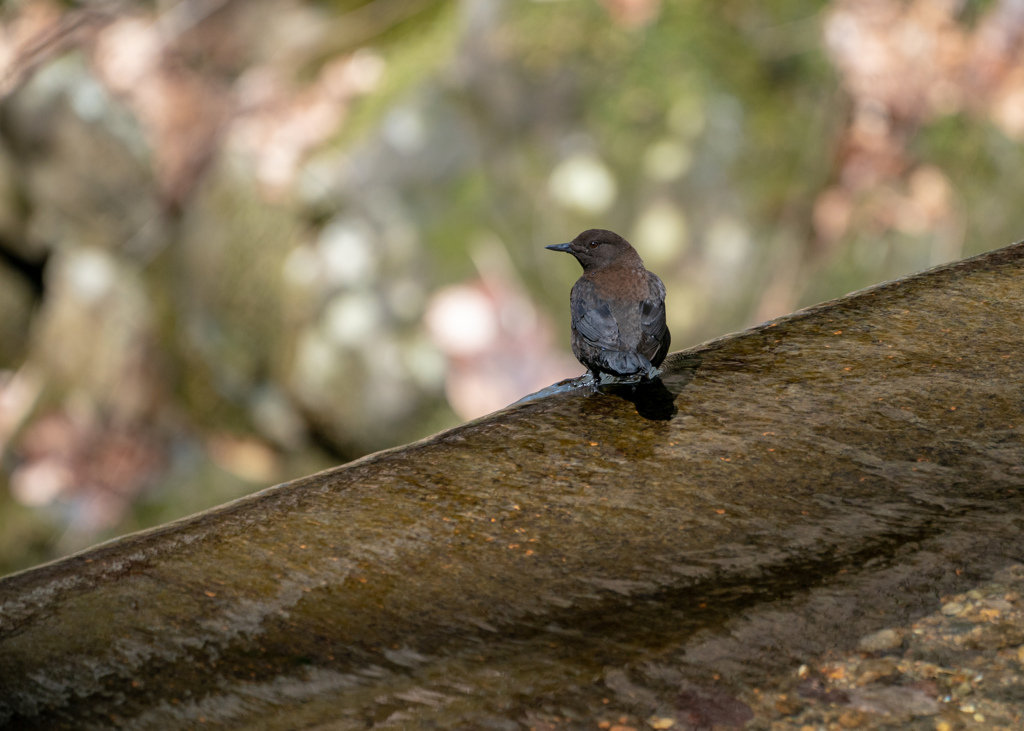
(625, 363)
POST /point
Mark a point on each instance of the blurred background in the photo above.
(245, 240)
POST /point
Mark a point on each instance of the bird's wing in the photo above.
(654, 335)
(593, 318)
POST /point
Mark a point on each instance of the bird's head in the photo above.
(597, 248)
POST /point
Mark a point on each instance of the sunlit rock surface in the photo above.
(586, 554)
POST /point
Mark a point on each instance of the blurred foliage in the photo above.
(243, 241)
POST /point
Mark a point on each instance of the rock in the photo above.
(881, 641)
(871, 670)
(732, 524)
(894, 701)
(852, 719)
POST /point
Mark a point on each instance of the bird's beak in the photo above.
(560, 247)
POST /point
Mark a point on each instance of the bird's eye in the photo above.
(593, 244)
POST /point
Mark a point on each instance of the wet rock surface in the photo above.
(804, 493)
(961, 669)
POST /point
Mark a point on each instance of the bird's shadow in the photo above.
(654, 398)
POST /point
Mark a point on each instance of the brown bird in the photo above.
(618, 307)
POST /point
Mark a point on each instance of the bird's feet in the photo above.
(602, 379)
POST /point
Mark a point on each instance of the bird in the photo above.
(618, 308)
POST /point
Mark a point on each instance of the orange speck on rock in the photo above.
(835, 673)
(952, 408)
(720, 511)
(593, 444)
(838, 332)
(210, 593)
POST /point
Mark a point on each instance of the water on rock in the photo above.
(654, 551)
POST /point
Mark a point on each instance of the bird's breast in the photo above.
(620, 283)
